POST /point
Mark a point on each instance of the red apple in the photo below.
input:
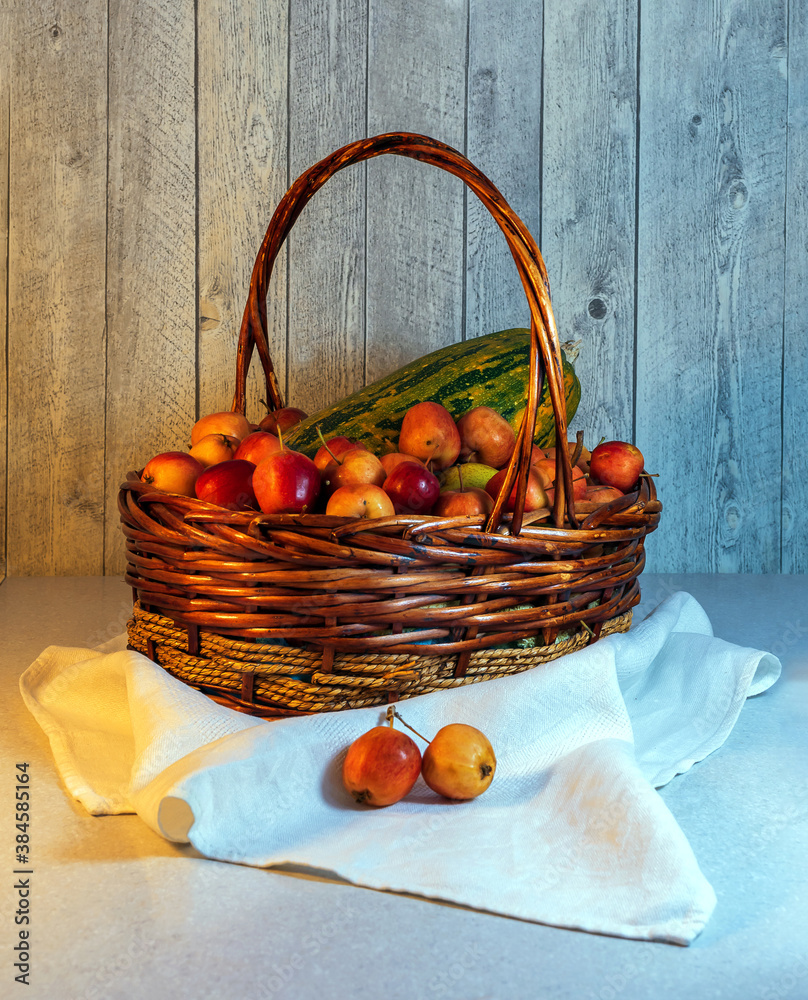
(228, 484)
(536, 454)
(353, 468)
(284, 418)
(545, 467)
(257, 446)
(361, 500)
(214, 448)
(173, 472)
(535, 497)
(337, 446)
(394, 458)
(616, 463)
(579, 486)
(287, 482)
(602, 494)
(485, 437)
(580, 483)
(465, 502)
(381, 766)
(430, 434)
(412, 488)
(233, 424)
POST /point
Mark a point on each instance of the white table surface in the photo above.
(117, 912)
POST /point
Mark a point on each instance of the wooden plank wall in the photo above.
(5, 104)
(241, 149)
(328, 42)
(794, 551)
(710, 272)
(588, 228)
(658, 152)
(414, 298)
(58, 404)
(151, 239)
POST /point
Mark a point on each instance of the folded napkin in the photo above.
(571, 832)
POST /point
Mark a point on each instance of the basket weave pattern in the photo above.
(289, 614)
(282, 680)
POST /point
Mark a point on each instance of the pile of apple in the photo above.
(442, 467)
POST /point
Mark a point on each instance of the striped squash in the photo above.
(487, 371)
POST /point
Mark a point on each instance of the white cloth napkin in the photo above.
(571, 831)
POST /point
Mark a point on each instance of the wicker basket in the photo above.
(279, 615)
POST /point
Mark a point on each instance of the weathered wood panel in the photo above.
(390, 261)
(5, 100)
(56, 289)
(795, 356)
(241, 175)
(151, 288)
(327, 71)
(710, 282)
(588, 199)
(415, 258)
(504, 138)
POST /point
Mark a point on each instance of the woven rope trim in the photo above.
(288, 680)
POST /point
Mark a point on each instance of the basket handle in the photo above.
(545, 349)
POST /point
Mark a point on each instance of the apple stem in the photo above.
(579, 447)
(391, 711)
(325, 445)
